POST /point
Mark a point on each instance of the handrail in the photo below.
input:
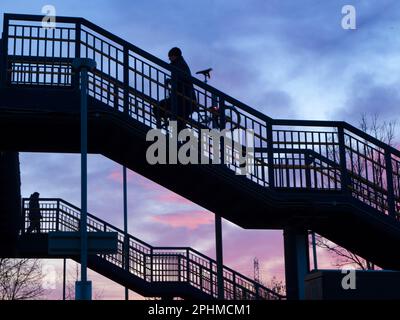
(337, 124)
(137, 50)
(186, 252)
(104, 32)
(340, 128)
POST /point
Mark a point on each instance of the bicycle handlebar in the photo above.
(205, 73)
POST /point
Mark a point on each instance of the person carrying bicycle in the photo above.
(186, 97)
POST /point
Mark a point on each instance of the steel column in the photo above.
(297, 263)
(219, 256)
(83, 289)
(126, 237)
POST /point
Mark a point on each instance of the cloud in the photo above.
(370, 95)
(189, 220)
(116, 175)
(285, 58)
(170, 197)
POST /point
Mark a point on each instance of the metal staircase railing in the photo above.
(153, 264)
(131, 81)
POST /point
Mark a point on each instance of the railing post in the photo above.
(4, 51)
(345, 179)
(116, 96)
(211, 278)
(270, 155)
(151, 265)
(201, 271)
(174, 99)
(58, 216)
(126, 80)
(179, 268)
(23, 227)
(187, 266)
(308, 161)
(222, 124)
(222, 117)
(144, 266)
(234, 285)
(257, 288)
(77, 53)
(389, 183)
(214, 103)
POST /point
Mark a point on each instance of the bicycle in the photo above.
(209, 118)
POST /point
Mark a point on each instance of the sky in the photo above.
(286, 58)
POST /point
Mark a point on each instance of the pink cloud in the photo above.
(116, 176)
(190, 220)
(171, 197)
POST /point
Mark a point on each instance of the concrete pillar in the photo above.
(297, 263)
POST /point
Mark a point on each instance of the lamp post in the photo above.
(83, 288)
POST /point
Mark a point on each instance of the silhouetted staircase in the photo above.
(325, 176)
(153, 271)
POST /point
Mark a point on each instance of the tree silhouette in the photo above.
(385, 132)
(21, 279)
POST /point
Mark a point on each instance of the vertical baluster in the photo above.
(58, 216)
(211, 278)
(287, 167)
(4, 50)
(294, 170)
(144, 259)
(257, 289)
(30, 54)
(174, 98)
(77, 51)
(126, 80)
(270, 152)
(334, 158)
(151, 264)
(187, 266)
(115, 95)
(389, 182)
(234, 285)
(222, 127)
(308, 161)
(345, 181)
(52, 56)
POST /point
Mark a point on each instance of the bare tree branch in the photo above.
(371, 168)
(20, 279)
